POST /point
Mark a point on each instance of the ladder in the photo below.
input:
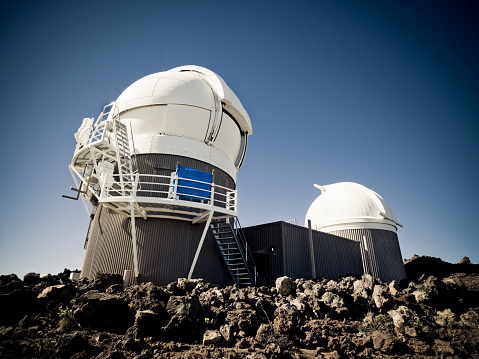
(123, 155)
(234, 248)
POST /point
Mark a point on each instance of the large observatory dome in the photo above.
(187, 111)
(348, 205)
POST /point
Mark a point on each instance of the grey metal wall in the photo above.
(265, 242)
(166, 247)
(386, 251)
(334, 256)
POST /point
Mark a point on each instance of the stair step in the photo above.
(222, 226)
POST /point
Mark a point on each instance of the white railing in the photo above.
(148, 187)
(98, 129)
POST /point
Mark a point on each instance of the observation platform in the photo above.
(160, 196)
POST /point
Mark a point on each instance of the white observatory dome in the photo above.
(348, 205)
(187, 111)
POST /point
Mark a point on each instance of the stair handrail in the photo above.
(243, 248)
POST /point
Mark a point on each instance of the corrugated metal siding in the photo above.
(166, 247)
(386, 252)
(296, 251)
(263, 238)
(334, 256)
(109, 246)
(165, 250)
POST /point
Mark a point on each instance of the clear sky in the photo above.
(385, 94)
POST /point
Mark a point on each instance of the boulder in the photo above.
(401, 316)
(212, 337)
(286, 319)
(384, 341)
(332, 286)
(313, 289)
(243, 320)
(299, 303)
(147, 324)
(263, 333)
(60, 292)
(187, 285)
(31, 278)
(333, 301)
(394, 289)
(346, 284)
(470, 319)
(181, 328)
(418, 346)
(16, 303)
(446, 318)
(433, 292)
(442, 348)
(101, 311)
(226, 332)
(284, 285)
(145, 296)
(380, 296)
(8, 278)
(188, 306)
(71, 344)
(362, 288)
(104, 280)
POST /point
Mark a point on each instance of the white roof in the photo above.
(185, 85)
(348, 205)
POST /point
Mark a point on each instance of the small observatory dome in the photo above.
(187, 111)
(348, 205)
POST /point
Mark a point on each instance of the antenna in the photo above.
(117, 89)
(205, 58)
(162, 62)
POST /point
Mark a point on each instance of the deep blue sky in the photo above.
(385, 94)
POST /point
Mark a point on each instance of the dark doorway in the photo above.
(261, 260)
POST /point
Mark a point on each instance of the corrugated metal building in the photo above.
(350, 210)
(155, 171)
(281, 248)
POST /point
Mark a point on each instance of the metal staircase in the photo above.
(234, 248)
(123, 154)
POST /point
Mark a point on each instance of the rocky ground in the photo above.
(434, 315)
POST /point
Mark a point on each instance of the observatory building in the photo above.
(349, 229)
(350, 210)
(157, 174)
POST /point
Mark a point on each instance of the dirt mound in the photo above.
(419, 266)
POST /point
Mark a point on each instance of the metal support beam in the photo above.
(311, 250)
(201, 217)
(198, 250)
(364, 255)
(133, 238)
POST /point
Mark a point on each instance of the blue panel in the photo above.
(191, 189)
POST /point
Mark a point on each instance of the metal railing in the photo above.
(244, 250)
(142, 186)
(97, 131)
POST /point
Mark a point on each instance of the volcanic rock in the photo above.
(351, 317)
